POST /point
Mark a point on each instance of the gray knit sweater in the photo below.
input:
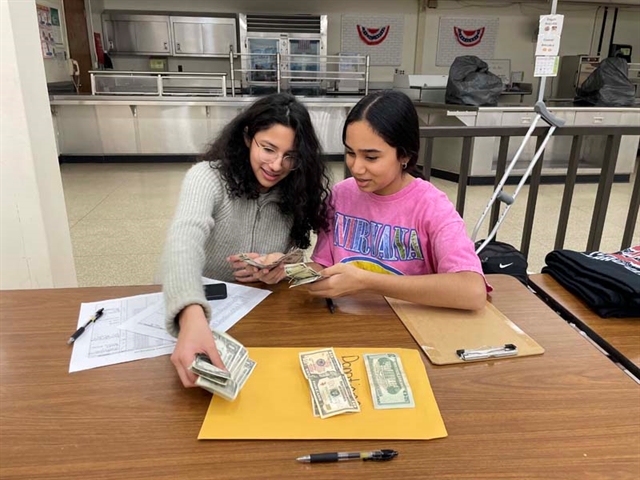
(208, 227)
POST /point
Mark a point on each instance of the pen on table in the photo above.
(375, 456)
(81, 330)
(330, 305)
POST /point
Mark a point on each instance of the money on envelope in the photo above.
(331, 393)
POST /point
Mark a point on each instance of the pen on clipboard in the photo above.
(81, 330)
(330, 305)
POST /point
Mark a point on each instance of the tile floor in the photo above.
(119, 214)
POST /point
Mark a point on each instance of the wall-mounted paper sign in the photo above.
(546, 67)
(550, 30)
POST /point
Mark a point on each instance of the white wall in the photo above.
(56, 69)
(332, 8)
(516, 32)
(518, 22)
(35, 245)
(628, 30)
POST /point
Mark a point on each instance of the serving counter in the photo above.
(447, 151)
(95, 125)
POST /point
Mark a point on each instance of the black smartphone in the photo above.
(216, 291)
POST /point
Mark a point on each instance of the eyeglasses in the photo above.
(269, 155)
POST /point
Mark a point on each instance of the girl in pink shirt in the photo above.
(391, 232)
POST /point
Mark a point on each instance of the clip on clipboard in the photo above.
(507, 350)
(487, 334)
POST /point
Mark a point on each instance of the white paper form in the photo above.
(225, 313)
(103, 343)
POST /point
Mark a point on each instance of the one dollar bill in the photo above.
(226, 384)
(301, 274)
(292, 256)
(230, 390)
(331, 392)
(388, 382)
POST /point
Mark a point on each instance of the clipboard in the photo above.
(449, 336)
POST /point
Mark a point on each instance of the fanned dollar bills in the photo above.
(300, 274)
(235, 357)
(294, 255)
(388, 382)
(331, 392)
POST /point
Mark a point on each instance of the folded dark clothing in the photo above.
(609, 283)
(619, 270)
(621, 309)
(590, 284)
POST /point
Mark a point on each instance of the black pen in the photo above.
(81, 330)
(330, 305)
(375, 456)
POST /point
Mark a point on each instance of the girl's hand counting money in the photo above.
(341, 279)
(195, 337)
(241, 271)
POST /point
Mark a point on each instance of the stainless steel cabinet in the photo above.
(137, 34)
(187, 38)
(153, 37)
(124, 36)
(203, 36)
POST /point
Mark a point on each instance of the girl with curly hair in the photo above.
(262, 188)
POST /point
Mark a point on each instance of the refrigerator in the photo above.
(301, 41)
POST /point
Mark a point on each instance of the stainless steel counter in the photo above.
(139, 125)
(564, 105)
(237, 101)
(446, 153)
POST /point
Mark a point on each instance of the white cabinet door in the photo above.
(597, 118)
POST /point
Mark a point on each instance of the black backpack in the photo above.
(499, 257)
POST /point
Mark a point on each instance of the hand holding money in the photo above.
(194, 337)
(301, 274)
(227, 384)
(269, 262)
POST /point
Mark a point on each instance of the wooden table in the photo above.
(619, 337)
(568, 414)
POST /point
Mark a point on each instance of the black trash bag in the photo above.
(608, 85)
(471, 83)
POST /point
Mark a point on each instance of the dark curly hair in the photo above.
(304, 192)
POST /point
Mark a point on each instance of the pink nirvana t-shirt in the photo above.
(415, 231)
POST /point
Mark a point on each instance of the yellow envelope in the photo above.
(275, 403)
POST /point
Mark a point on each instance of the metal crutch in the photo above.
(554, 122)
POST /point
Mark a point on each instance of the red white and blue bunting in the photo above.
(379, 36)
(466, 36)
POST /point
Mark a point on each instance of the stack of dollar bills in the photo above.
(301, 274)
(292, 256)
(226, 383)
(331, 393)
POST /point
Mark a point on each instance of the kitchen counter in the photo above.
(189, 101)
(447, 151)
(518, 107)
(110, 125)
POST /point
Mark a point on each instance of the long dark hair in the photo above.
(304, 191)
(391, 115)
